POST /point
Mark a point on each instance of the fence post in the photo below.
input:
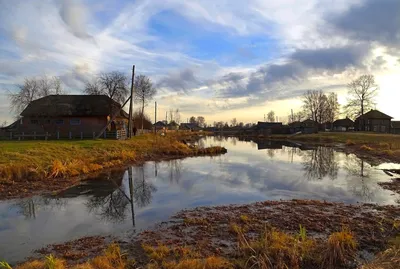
(58, 135)
(81, 135)
(34, 135)
(70, 135)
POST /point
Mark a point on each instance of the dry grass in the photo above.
(274, 249)
(32, 160)
(112, 258)
(340, 249)
(388, 259)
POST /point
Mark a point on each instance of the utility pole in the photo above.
(155, 117)
(264, 117)
(130, 123)
(292, 115)
(166, 117)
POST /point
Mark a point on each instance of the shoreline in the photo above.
(25, 174)
(205, 232)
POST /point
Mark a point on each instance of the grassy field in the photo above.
(30, 161)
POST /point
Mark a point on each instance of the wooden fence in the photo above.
(9, 135)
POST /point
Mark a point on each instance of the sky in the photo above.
(219, 59)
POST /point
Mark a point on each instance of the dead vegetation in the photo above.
(26, 166)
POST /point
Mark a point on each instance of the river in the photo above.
(115, 205)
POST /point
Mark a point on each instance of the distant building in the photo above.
(374, 121)
(343, 125)
(396, 127)
(189, 127)
(268, 128)
(70, 116)
(295, 127)
(309, 127)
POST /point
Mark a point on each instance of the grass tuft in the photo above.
(340, 249)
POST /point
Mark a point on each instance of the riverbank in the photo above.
(270, 234)
(31, 167)
(373, 146)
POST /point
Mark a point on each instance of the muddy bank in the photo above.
(213, 231)
(32, 184)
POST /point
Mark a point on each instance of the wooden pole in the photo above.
(130, 123)
(155, 117)
(113, 118)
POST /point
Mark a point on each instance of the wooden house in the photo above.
(396, 127)
(343, 125)
(71, 116)
(374, 121)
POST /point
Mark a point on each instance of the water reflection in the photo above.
(319, 163)
(123, 202)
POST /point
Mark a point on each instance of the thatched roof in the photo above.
(374, 114)
(72, 105)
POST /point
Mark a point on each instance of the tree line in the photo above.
(113, 84)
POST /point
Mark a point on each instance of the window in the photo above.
(59, 122)
(376, 128)
(383, 129)
(75, 122)
(34, 121)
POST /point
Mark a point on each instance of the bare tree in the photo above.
(271, 116)
(177, 116)
(233, 122)
(319, 107)
(32, 89)
(192, 120)
(200, 121)
(171, 115)
(362, 92)
(93, 87)
(113, 84)
(144, 91)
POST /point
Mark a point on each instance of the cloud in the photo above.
(269, 80)
(335, 58)
(181, 81)
(73, 13)
(372, 21)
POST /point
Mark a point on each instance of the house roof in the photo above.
(72, 105)
(374, 114)
(262, 124)
(295, 124)
(396, 124)
(189, 126)
(344, 122)
(160, 123)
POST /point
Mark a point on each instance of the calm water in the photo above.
(248, 172)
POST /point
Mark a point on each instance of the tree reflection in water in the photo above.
(174, 169)
(29, 207)
(319, 163)
(112, 205)
(358, 177)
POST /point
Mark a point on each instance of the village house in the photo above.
(374, 121)
(189, 127)
(343, 125)
(396, 127)
(309, 127)
(70, 116)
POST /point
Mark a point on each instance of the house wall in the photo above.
(63, 125)
(374, 125)
(396, 130)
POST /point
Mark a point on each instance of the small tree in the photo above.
(144, 92)
(233, 122)
(32, 89)
(177, 116)
(362, 93)
(192, 120)
(271, 116)
(200, 121)
(113, 84)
